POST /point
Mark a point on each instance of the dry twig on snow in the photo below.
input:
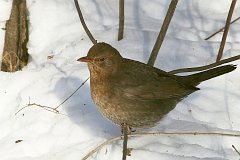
(51, 109)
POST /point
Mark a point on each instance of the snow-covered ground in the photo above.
(55, 31)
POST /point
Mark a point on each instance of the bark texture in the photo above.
(15, 52)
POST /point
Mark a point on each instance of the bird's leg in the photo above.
(129, 129)
(126, 129)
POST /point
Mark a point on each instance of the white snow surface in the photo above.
(55, 30)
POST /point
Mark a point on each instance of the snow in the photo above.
(55, 31)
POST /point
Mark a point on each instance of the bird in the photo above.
(138, 95)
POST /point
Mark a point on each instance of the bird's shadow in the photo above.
(80, 108)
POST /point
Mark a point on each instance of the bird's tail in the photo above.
(195, 79)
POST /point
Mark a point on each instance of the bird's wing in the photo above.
(143, 82)
(164, 88)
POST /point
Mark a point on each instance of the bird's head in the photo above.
(102, 58)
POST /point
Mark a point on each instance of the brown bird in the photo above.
(133, 93)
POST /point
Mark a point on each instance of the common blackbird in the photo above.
(133, 93)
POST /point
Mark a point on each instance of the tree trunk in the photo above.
(15, 52)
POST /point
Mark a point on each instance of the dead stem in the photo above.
(215, 64)
(236, 150)
(159, 134)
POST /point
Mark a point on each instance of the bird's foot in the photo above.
(126, 127)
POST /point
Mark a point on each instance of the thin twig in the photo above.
(220, 30)
(101, 146)
(195, 69)
(72, 93)
(225, 33)
(236, 150)
(158, 134)
(162, 32)
(121, 20)
(51, 109)
(83, 23)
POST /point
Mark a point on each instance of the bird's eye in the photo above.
(101, 59)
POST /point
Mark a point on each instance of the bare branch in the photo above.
(159, 134)
(225, 33)
(195, 69)
(83, 23)
(220, 30)
(236, 150)
(121, 20)
(162, 32)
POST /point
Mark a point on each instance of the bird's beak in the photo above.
(85, 59)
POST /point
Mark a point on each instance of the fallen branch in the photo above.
(51, 109)
(195, 69)
(158, 134)
(221, 30)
